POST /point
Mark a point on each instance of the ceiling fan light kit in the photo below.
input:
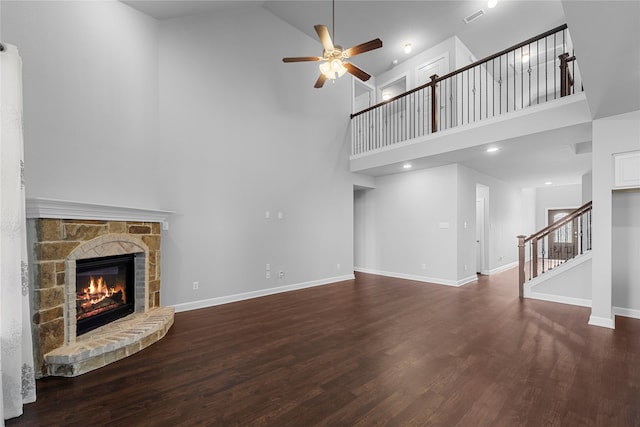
(334, 64)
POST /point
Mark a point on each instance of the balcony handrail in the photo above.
(532, 72)
(465, 68)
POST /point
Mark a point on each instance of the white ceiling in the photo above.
(424, 24)
(421, 23)
(560, 156)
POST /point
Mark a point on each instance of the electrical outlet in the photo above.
(267, 275)
(281, 274)
(338, 266)
(465, 267)
(196, 286)
(424, 266)
(268, 267)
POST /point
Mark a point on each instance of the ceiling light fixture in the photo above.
(525, 58)
(407, 166)
(333, 69)
(333, 60)
(492, 4)
(492, 149)
(548, 183)
(386, 96)
(408, 48)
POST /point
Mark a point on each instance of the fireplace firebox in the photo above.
(104, 290)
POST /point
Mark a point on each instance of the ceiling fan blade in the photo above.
(352, 69)
(302, 59)
(364, 47)
(320, 81)
(325, 38)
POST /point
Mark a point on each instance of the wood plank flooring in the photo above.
(366, 352)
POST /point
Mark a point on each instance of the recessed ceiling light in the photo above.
(386, 96)
(525, 58)
(492, 4)
(492, 149)
(548, 183)
(407, 166)
(407, 48)
(394, 62)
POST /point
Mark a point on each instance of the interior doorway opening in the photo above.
(482, 229)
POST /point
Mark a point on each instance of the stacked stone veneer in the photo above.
(56, 244)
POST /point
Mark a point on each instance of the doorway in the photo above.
(482, 229)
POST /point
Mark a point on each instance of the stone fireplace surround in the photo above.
(59, 234)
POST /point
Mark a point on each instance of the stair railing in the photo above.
(535, 71)
(555, 244)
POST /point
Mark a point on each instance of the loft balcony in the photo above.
(528, 89)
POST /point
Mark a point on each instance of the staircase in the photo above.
(547, 250)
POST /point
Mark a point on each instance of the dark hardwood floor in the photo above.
(372, 351)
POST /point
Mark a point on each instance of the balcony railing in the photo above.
(533, 72)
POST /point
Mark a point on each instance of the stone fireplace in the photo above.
(69, 241)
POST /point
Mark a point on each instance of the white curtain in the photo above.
(17, 382)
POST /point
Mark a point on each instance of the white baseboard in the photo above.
(503, 268)
(437, 281)
(604, 322)
(626, 312)
(581, 302)
(194, 305)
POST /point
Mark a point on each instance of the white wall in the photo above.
(556, 197)
(587, 185)
(409, 67)
(90, 78)
(510, 213)
(626, 250)
(610, 135)
(406, 214)
(570, 285)
(242, 134)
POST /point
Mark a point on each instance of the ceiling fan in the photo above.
(333, 56)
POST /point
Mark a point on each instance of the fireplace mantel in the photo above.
(65, 209)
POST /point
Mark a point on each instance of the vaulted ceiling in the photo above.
(600, 44)
(421, 23)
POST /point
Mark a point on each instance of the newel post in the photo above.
(521, 266)
(434, 104)
(565, 76)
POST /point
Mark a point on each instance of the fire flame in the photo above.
(96, 291)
